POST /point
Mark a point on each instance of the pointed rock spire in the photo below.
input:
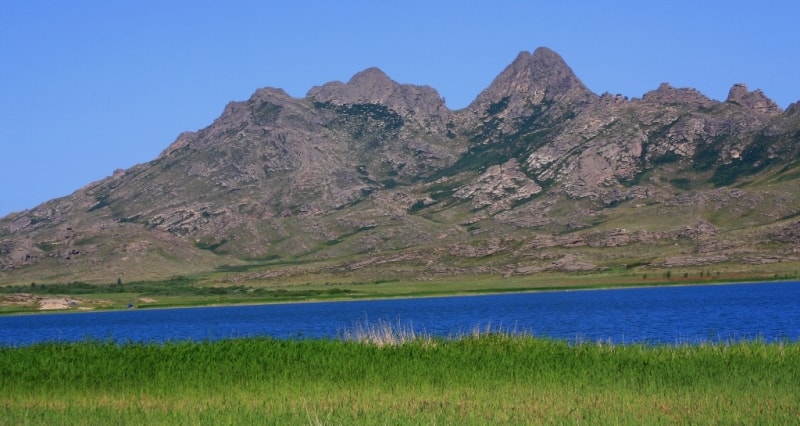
(533, 79)
(755, 100)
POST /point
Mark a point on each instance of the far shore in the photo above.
(85, 303)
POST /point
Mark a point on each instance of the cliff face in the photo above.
(533, 175)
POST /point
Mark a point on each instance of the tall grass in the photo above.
(473, 379)
(384, 333)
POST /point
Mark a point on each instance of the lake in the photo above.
(668, 315)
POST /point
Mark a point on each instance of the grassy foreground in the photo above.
(482, 379)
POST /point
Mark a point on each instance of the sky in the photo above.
(87, 87)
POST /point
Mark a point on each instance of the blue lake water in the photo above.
(671, 315)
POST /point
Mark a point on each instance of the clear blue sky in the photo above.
(87, 87)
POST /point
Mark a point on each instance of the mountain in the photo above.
(371, 179)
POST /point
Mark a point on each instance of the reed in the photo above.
(384, 333)
(387, 373)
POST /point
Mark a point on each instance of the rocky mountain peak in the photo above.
(373, 86)
(372, 77)
(263, 102)
(532, 79)
(755, 100)
(666, 94)
(369, 86)
(793, 109)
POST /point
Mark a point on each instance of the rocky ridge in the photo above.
(534, 175)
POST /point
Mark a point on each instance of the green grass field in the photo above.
(473, 379)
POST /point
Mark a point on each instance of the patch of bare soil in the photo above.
(50, 303)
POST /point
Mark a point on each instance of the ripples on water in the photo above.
(671, 315)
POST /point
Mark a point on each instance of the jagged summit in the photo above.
(755, 100)
(372, 78)
(793, 109)
(667, 94)
(534, 78)
(373, 86)
(369, 86)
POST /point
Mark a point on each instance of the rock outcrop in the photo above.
(755, 100)
(668, 95)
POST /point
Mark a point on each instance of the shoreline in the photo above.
(489, 292)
